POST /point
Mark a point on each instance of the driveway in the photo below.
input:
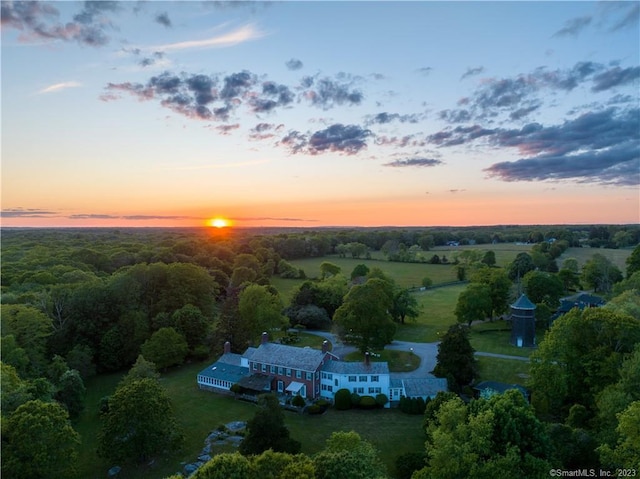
(427, 353)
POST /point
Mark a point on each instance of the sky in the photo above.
(310, 114)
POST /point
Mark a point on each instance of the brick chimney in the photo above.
(325, 346)
(265, 338)
(227, 347)
(367, 359)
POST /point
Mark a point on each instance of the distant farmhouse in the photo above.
(310, 373)
(578, 300)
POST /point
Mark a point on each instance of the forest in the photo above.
(80, 304)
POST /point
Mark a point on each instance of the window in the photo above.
(362, 379)
(298, 374)
(329, 376)
(360, 390)
(309, 376)
(375, 390)
(273, 369)
(353, 379)
(374, 379)
(288, 372)
(255, 366)
(264, 368)
(281, 371)
(330, 388)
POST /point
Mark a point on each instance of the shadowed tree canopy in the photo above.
(364, 318)
(474, 304)
(455, 359)
(266, 430)
(140, 423)
(38, 442)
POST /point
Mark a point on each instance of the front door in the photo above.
(280, 386)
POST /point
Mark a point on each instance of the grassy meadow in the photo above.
(510, 371)
(617, 256)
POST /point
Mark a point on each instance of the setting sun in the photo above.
(219, 222)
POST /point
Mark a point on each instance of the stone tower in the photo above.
(523, 323)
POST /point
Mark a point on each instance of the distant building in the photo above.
(523, 323)
(487, 388)
(578, 300)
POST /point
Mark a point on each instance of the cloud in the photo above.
(93, 216)
(27, 213)
(38, 21)
(240, 35)
(385, 117)
(294, 64)
(597, 147)
(56, 87)
(630, 15)
(472, 72)
(454, 191)
(163, 19)
(227, 129)
(338, 138)
(574, 26)
(328, 93)
(615, 77)
(425, 70)
(411, 162)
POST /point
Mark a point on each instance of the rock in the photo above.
(204, 458)
(114, 471)
(236, 425)
(190, 469)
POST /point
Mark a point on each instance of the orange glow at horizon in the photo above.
(219, 222)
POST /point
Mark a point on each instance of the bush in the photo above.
(342, 400)
(322, 403)
(408, 463)
(367, 402)
(298, 401)
(355, 399)
(315, 409)
(236, 388)
(381, 400)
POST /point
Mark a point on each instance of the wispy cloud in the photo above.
(413, 162)
(26, 213)
(56, 87)
(240, 35)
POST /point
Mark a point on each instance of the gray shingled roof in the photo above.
(342, 367)
(421, 387)
(227, 368)
(499, 387)
(305, 359)
(523, 303)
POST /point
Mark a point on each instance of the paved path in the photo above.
(501, 356)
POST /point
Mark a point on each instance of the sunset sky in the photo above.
(320, 113)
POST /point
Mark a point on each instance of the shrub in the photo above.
(322, 402)
(342, 399)
(355, 399)
(315, 409)
(298, 401)
(236, 388)
(381, 400)
(367, 402)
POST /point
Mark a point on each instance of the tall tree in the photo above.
(633, 261)
(266, 430)
(455, 359)
(71, 392)
(347, 456)
(328, 269)
(364, 317)
(38, 442)
(194, 326)
(542, 287)
(404, 306)
(260, 309)
(520, 266)
(499, 287)
(140, 423)
(579, 356)
(165, 348)
(600, 273)
(474, 304)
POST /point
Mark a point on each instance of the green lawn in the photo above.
(509, 371)
(505, 252)
(437, 315)
(494, 336)
(199, 412)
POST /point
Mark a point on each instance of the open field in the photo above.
(199, 412)
(407, 275)
(582, 255)
(437, 315)
(505, 252)
(493, 337)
